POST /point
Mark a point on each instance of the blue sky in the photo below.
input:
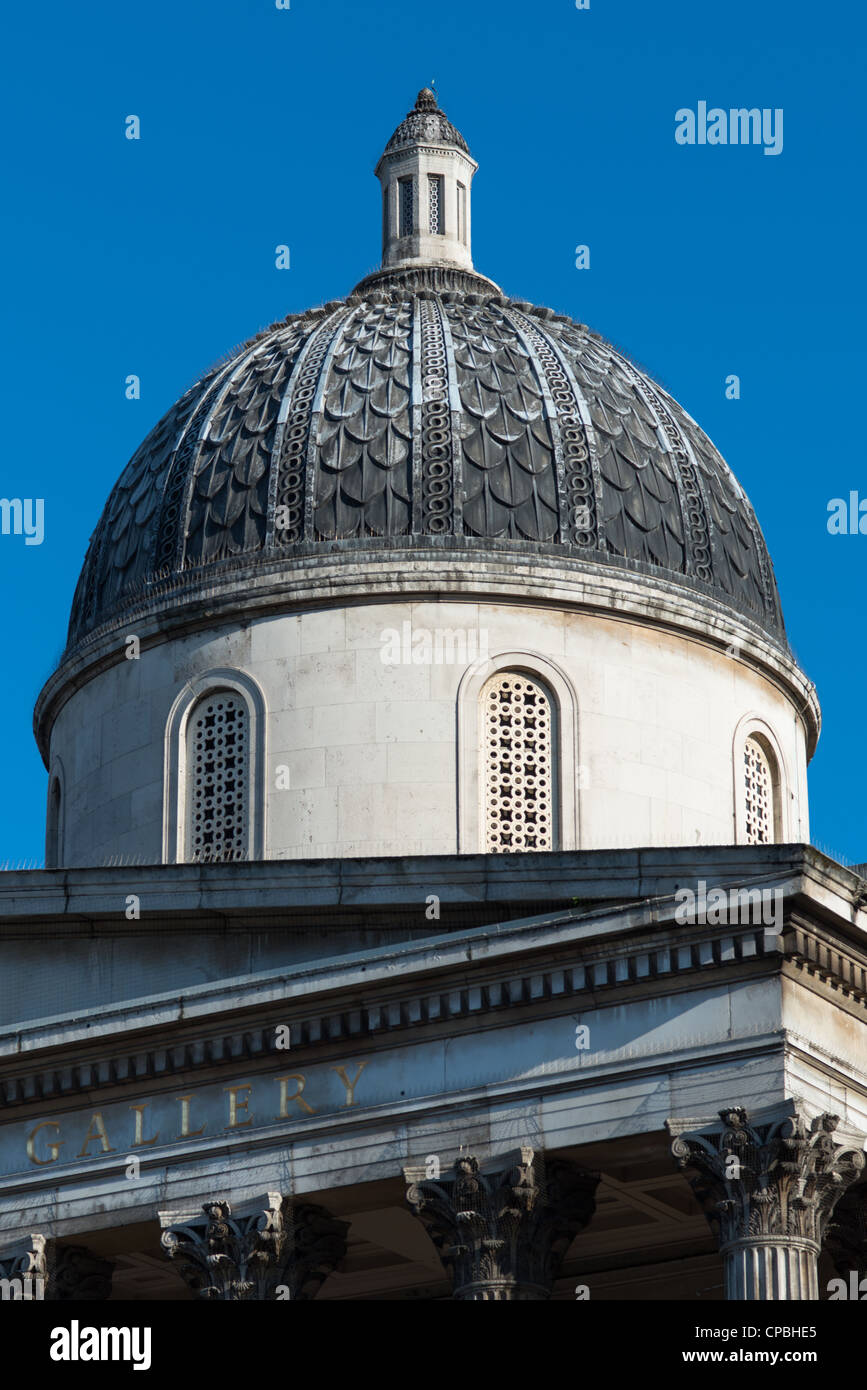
(261, 126)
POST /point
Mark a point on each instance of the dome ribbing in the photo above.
(429, 406)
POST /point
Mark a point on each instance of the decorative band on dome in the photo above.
(437, 444)
(579, 522)
(289, 467)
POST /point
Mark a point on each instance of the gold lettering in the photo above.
(139, 1140)
(350, 1085)
(52, 1145)
(235, 1105)
(186, 1132)
(96, 1131)
(285, 1096)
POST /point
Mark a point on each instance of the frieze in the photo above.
(130, 1129)
(164, 1109)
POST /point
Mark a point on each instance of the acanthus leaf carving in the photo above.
(768, 1181)
(501, 1232)
(256, 1253)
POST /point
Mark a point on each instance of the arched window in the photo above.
(218, 779)
(518, 764)
(760, 792)
(53, 845)
(214, 799)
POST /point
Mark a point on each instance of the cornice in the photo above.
(196, 896)
(408, 151)
(818, 961)
(367, 1000)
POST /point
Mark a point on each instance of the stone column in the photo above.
(502, 1233)
(269, 1249)
(768, 1188)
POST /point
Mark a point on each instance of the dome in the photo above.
(425, 408)
(395, 538)
(427, 413)
(426, 123)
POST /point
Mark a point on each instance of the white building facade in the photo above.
(433, 594)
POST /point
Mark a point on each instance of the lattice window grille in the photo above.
(406, 206)
(435, 200)
(758, 794)
(518, 760)
(219, 779)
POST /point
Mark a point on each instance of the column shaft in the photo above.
(770, 1269)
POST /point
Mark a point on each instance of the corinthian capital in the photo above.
(268, 1250)
(502, 1232)
(779, 1177)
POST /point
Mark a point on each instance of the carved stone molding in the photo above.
(502, 1234)
(601, 969)
(768, 1188)
(266, 1250)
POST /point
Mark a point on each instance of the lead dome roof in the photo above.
(426, 409)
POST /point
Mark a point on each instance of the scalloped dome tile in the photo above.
(428, 406)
